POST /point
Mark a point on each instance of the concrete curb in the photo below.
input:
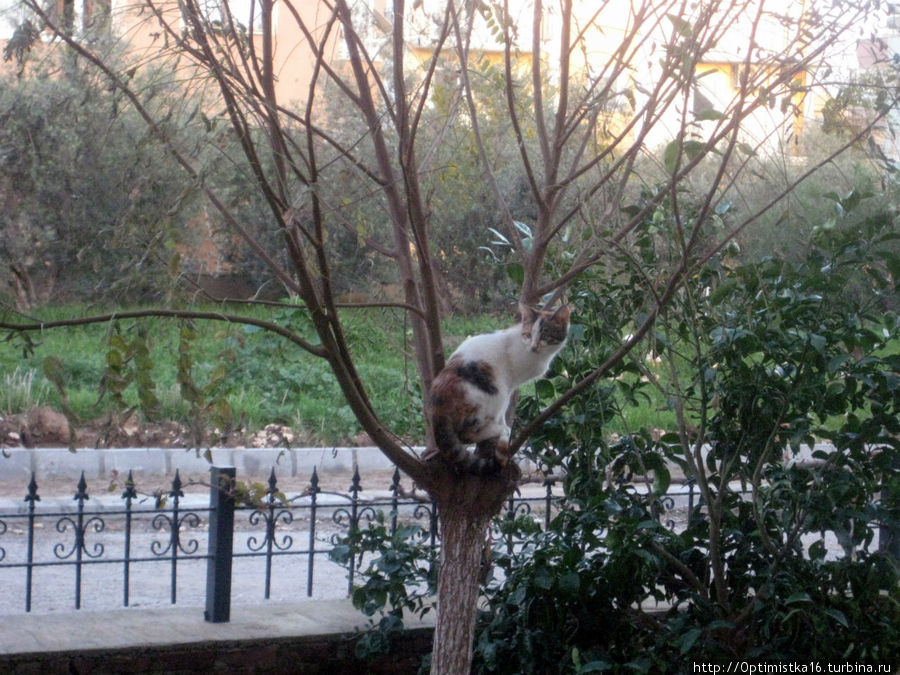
(45, 463)
(252, 463)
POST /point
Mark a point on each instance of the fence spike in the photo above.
(130, 492)
(356, 485)
(176, 486)
(273, 486)
(81, 495)
(32, 495)
(395, 482)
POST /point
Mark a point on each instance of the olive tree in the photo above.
(581, 109)
(82, 183)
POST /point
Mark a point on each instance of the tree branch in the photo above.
(39, 326)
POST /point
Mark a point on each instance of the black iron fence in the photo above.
(170, 534)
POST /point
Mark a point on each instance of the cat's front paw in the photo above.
(491, 457)
(486, 467)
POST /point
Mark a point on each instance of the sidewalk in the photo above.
(316, 637)
(131, 628)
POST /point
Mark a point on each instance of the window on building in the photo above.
(79, 17)
(245, 14)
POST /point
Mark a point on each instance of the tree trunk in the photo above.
(462, 545)
(465, 507)
(23, 287)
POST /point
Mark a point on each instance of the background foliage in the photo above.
(755, 362)
(93, 207)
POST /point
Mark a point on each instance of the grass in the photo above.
(20, 392)
(266, 379)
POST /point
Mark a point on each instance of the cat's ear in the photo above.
(527, 315)
(561, 315)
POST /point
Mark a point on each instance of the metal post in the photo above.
(221, 542)
(395, 500)
(81, 496)
(548, 502)
(889, 533)
(314, 490)
(32, 498)
(355, 488)
(129, 495)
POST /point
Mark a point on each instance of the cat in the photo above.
(469, 398)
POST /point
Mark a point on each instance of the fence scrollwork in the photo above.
(80, 530)
(271, 515)
(163, 522)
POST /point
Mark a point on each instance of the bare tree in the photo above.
(582, 119)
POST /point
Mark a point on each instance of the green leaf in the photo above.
(543, 579)
(500, 239)
(646, 555)
(523, 228)
(852, 200)
(515, 272)
(545, 389)
(693, 148)
(708, 114)
(661, 479)
(670, 155)
(723, 290)
(798, 597)
(688, 639)
(818, 342)
(682, 26)
(570, 582)
(838, 616)
(722, 208)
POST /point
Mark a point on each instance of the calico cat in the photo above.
(471, 395)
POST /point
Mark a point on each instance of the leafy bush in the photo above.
(758, 360)
(400, 572)
(776, 559)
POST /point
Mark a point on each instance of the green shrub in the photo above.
(758, 361)
(775, 560)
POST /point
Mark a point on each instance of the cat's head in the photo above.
(544, 329)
